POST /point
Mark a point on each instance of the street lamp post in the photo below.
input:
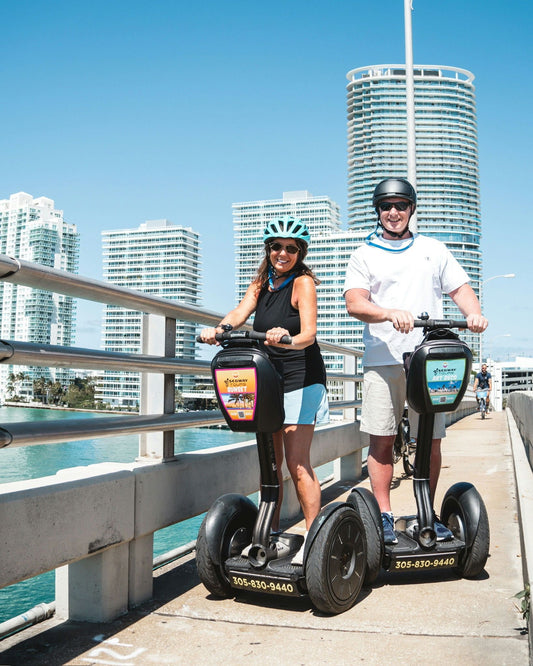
(507, 275)
(493, 277)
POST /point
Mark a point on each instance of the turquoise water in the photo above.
(32, 462)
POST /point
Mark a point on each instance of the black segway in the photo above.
(235, 550)
(438, 373)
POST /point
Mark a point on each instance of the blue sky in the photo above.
(128, 111)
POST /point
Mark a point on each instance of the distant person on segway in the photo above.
(483, 382)
(397, 274)
(283, 297)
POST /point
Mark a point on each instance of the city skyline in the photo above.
(185, 110)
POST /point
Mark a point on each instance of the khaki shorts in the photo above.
(384, 401)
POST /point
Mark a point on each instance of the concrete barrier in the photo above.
(521, 405)
(95, 524)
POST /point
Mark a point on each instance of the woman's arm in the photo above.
(237, 316)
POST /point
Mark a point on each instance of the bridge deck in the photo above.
(403, 618)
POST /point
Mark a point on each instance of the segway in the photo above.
(235, 550)
(438, 373)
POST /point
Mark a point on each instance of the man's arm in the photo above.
(466, 300)
(360, 306)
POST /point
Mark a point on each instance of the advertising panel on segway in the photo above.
(235, 550)
(438, 373)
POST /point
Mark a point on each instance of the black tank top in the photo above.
(298, 367)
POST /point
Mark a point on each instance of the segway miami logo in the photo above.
(444, 380)
(237, 389)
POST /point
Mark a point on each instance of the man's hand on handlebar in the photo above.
(477, 323)
(402, 320)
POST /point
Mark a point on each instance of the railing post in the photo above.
(350, 466)
(94, 589)
(158, 390)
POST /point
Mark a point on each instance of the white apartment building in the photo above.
(158, 258)
(329, 251)
(32, 229)
(509, 376)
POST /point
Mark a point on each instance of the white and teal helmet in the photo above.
(286, 227)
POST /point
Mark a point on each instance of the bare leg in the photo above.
(380, 468)
(298, 440)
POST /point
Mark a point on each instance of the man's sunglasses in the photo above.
(277, 247)
(389, 205)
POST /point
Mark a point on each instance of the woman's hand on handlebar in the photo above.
(207, 335)
(477, 323)
(274, 335)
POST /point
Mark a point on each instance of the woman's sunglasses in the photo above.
(389, 205)
(277, 247)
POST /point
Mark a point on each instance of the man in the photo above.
(391, 279)
(483, 382)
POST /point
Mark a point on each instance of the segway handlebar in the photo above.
(433, 324)
(246, 335)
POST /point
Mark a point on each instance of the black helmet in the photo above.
(394, 187)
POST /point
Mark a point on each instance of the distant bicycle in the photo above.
(405, 446)
(481, 397)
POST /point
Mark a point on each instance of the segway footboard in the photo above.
(408, 556)
(277, 576)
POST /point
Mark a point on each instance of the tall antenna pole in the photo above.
(410, 104)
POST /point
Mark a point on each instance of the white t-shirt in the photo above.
(413, 279)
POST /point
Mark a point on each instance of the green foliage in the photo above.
(80, 393)
(525, 604)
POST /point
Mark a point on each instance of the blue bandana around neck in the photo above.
(272, 275)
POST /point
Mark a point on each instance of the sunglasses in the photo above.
(277, 247)
(389, 205)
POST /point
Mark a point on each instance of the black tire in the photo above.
(366, 505)
(235, 536)
(464, 513)
(483, 413)
(336, 564)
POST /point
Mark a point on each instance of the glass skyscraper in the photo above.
(158, 258)
(446, 156)
(32, 229)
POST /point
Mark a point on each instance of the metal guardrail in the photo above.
(33, 275)
(24, 353)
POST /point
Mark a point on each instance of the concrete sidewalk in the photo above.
(431, 617)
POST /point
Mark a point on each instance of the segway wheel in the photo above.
(409, 458)
(464, 513)
(336, 564)
(223, 535)
(366, 505)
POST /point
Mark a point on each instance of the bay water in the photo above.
(31, 462)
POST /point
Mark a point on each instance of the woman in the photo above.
(283, 297)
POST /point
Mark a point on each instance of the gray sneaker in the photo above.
(442, 532)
